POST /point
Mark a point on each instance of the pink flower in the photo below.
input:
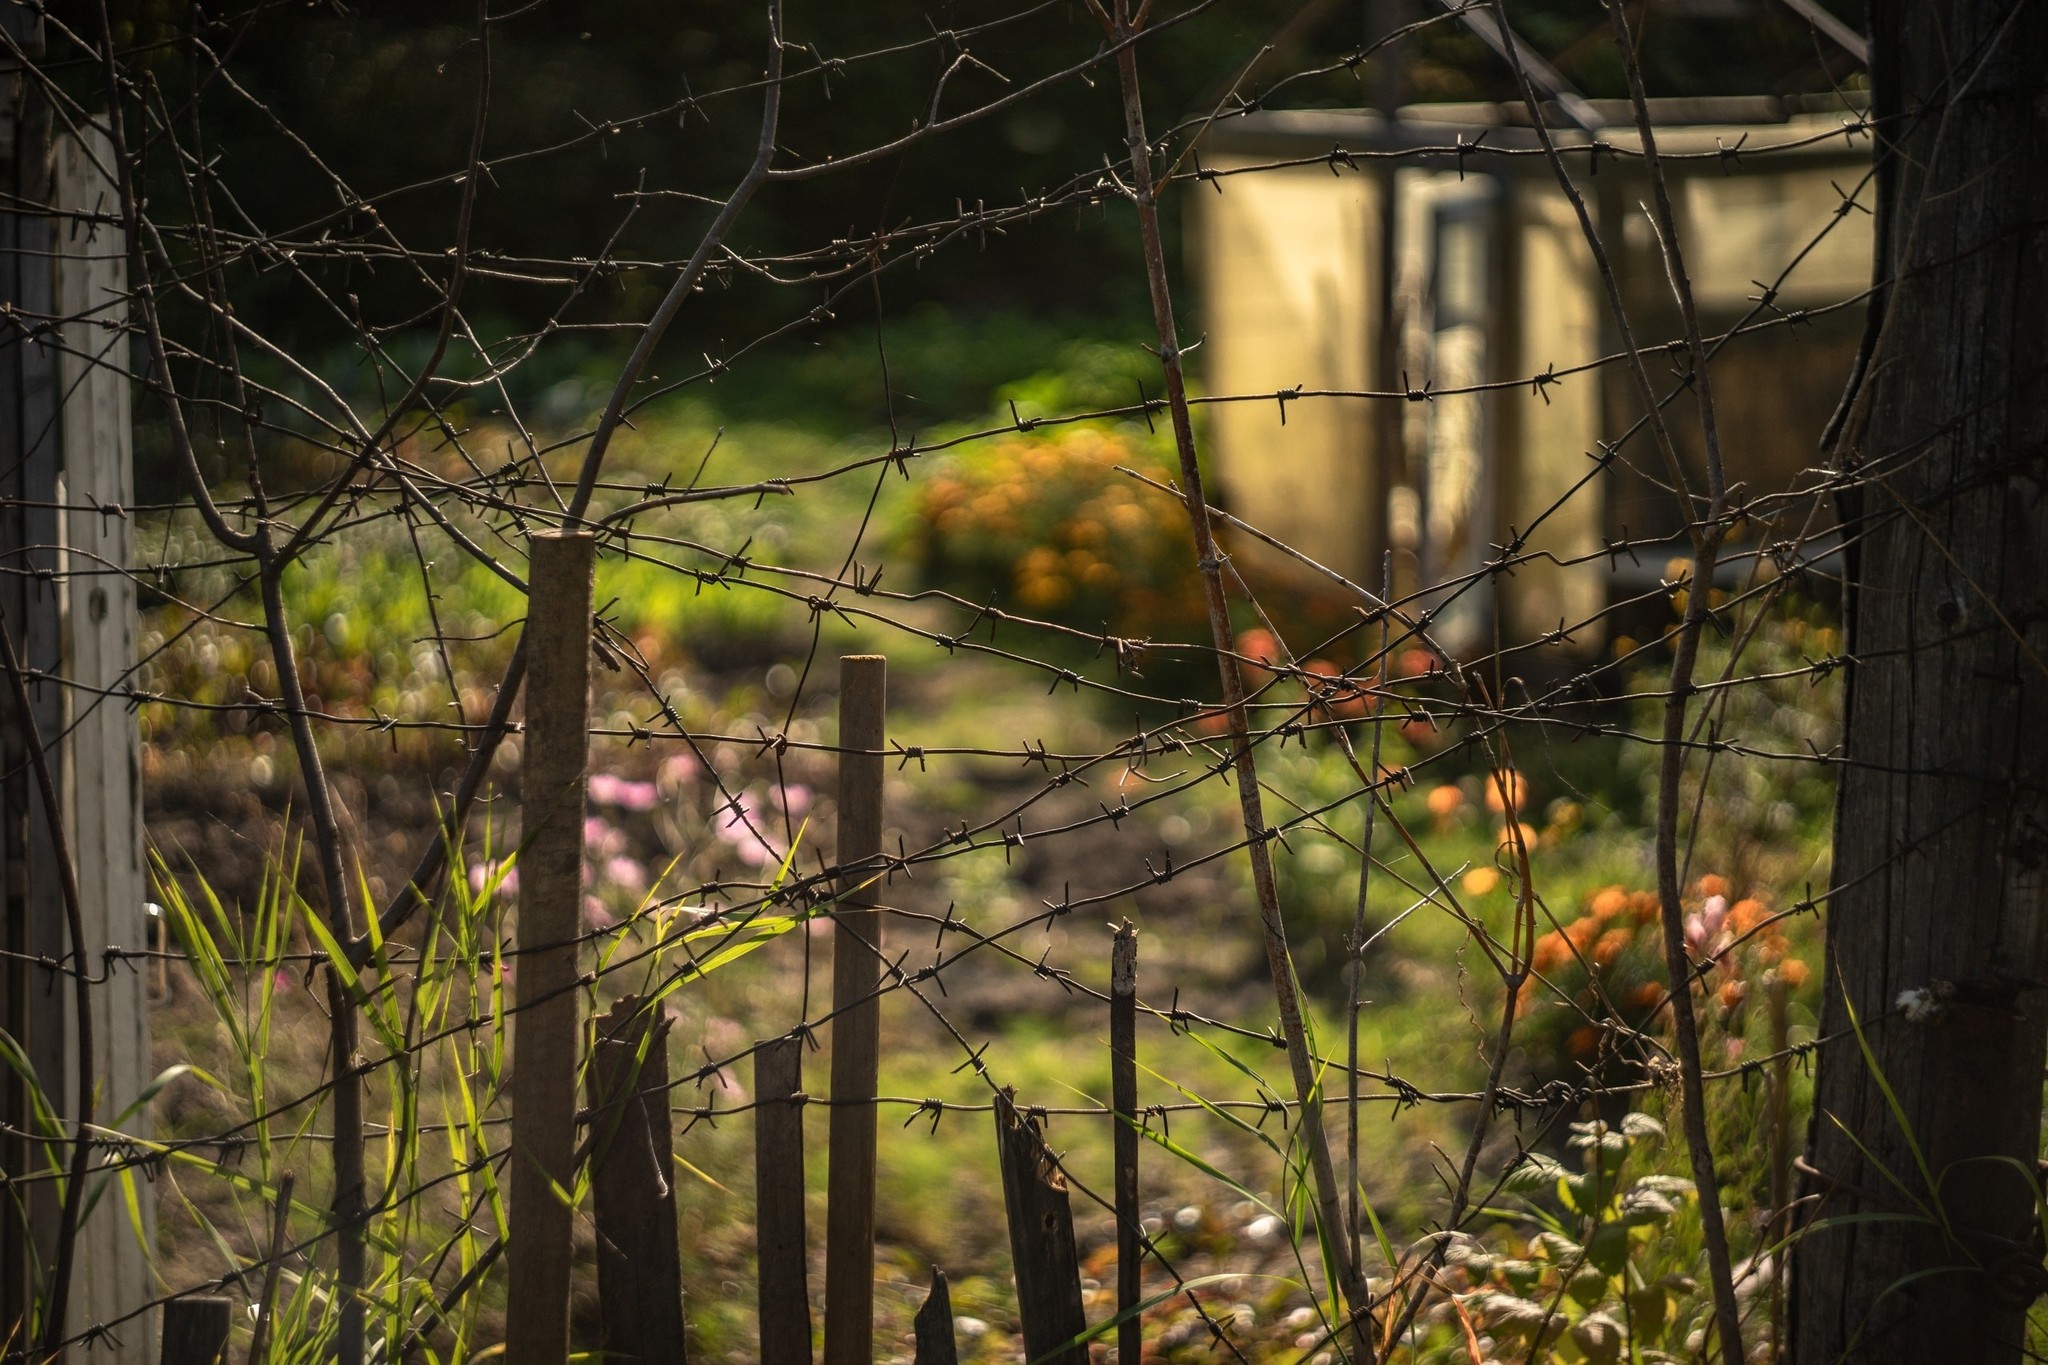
(596, 916)
(1713, 914)
(282, 981)
(678, 770)
(607, 789)
(796, 799)
(754, 853)
(1704, 929)
(626, 872)
(600, 840)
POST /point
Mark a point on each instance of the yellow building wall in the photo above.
(1559, 326)
(1286, 260)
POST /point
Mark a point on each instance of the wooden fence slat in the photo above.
(856, 1019)
(934, 1326)
(1123, 1087)
(783, 1280)
(1042, 1251)
(632, 1197)
(196, 1330)
(545, 1037)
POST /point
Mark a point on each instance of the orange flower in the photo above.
(1711, 885)
(1747, 914)
(1582, 932)
(1643, 906)
(1259, 647)
(1583, 1040)
(1609, 946)
(1517, 790)
(1733, 992)
(1792, 972)
(1609, 902)
(1551, 953)
(1415, 662)
(1444, 801)
(1646, 996)
(1481, 881)
(1340, 697)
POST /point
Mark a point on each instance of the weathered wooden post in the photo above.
(196, 1330)
(1123, 1099)
(633, 1200)
(1048, 1267)
(856, 1016)
(934, 1326)
(545, 1035)
(102, 763)
(782, 1280)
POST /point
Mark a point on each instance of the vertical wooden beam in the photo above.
(545, 1036)
(1123, 1099)
(1048, 1267)
(856, 1016)
(639, 1265)
(102, 765)
(33, 1009)
(784, 1285)
(934, 1326)
(196, 1330)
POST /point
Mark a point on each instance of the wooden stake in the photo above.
(1123, 1088)
(934, 1325)
(545, 1033)
(856, 1017)
(784, 1285)
(633, 1200)
(196, 1330)
(1041, 1240)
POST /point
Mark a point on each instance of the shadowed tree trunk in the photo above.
(1921, 1220)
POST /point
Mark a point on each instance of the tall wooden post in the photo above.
(856, 1017)
(545, 1031)
(1937, 931)
(102, 765)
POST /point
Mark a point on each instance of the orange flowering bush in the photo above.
(1602, 972)
(1047, 525)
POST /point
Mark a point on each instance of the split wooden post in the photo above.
(1123, 1099)
(934, 1326)
(783, 1282)
(856, 1016)
(632, 1198)
(1048, 1266)
(545, 1034)
(196, 1330)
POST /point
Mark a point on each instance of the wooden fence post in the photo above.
(1048, 1267)
(783, 1281)
(545, 1036)
(102, 765)
(1123, 1093)
(856, 1017)
(196, 1330)
(633, 1199)
(934, 1326)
